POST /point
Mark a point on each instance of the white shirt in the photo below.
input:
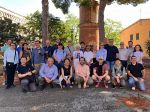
(138, 55)
(88, 56)
(123, 54)
(77, 54)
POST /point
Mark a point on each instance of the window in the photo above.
(137, 36)
(131, 37)
(149, 34)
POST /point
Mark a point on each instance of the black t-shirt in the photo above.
(24, 69)
(66, 70)
(111, 52)
(136, 70)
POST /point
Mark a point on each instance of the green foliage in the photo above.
(8, 29)
(147, 46)
(112, 30)
(56, 27)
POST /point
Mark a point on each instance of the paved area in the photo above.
(65, 100)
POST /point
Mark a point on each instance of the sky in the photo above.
(126, 14)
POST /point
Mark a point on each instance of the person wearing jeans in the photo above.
(136, 74)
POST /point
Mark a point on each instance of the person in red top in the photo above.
(101, 73)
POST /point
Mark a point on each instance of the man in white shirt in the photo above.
(123, 54)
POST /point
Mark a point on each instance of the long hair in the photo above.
(140, 48)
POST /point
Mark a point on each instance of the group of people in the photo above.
(83, 65)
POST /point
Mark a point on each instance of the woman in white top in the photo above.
(88, 55)
(77, 54)
(138, 52)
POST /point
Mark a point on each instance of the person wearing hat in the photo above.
(101, 73)
(59, 56)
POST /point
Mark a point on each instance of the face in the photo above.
(137, 48)
(9, 42)
(47, 42)
(37, 44)
(13, 46)
(105, 40)
(23, 61)
(101, 46)
(82, 61)
(130, 44)
(67, 62)
(94, 47)
(21, 42)
(133, 59)
(57, 41)
(69, 43)
(117, 62)
(77, 48)
(60, 47)
(50, 61)
(25, 46)
(111, 42)
(88, 48)
(82, 45)
(121, 45)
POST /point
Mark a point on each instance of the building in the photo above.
(16, 18)
(89, 31)
(138, 32)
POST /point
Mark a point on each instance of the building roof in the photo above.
(135, 23)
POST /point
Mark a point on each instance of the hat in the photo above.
(101, 58)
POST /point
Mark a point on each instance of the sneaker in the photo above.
(79, 86)
(71, 86)
(120, 86)
(24, 91)
(106, 86)
(97, 85)
(52, 85)
(113, 86)
(133, 88)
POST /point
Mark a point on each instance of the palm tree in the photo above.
(45, 13)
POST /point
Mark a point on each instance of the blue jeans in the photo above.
(140, 85)
(110, 64)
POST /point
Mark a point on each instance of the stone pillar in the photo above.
(89, 31)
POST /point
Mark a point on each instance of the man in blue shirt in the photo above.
(48, 73)
(11, 60)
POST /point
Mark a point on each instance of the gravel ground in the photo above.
(65, 100)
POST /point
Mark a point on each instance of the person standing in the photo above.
(3, 49)
(77, 54)
(25, 53)
(102, 52)
(136, 74)
(123, 54)
(11, 60)
(69, 50)
(37, 56)
(112, 54)
(130, 50)
(138, 52)
(48, 51)
(88, 55)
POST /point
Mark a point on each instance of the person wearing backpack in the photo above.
(11, 60)
(118, 75)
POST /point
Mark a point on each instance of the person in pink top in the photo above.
(82, 74)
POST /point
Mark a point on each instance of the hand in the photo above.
(141, 80)
(136, 79)
(68, 81)
(100, 78)
(29, 73)
(85, 78)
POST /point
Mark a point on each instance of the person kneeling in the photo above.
(82, 73)
(26, 74)
(66, 78)
(101, 73)
(118, 74)
(48, 74)
(136, 74)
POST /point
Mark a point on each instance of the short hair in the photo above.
(67, 59)
(133, 56)
(82, 42)
(38, 41)
(130, 41)
(50, 58)
(81, 58)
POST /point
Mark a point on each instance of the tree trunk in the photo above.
(44, 21)
(102, 6)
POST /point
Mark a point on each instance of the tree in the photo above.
(102, 6)
(8, 29)
(44, 20)
(112, 30)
